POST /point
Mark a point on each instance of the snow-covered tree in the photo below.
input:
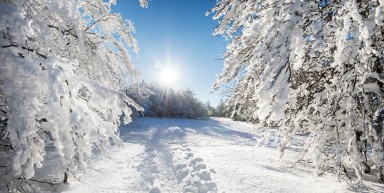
(259, 34)
(63, 66)
(310, 66)
(345, 90)
(166, 102)
(220, 109)
(140, 92)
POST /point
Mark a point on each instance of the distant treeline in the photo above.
(165, 102)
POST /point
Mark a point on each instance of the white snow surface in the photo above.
(214, 155)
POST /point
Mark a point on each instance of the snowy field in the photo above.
(216, 155)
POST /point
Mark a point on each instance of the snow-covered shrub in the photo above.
(63, 64)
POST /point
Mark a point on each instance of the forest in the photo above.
(309, 68)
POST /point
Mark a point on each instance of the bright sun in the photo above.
(168, 76)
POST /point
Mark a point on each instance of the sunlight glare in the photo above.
(168, 76)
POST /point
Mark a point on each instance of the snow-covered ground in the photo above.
(216, 155)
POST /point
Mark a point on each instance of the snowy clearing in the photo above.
(216, 155)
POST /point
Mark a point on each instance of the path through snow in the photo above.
(216, 155)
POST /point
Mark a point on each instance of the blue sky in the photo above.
(177, 33)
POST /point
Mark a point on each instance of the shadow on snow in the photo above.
(175, 130)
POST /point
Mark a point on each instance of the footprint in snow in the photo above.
(199, 167)
(191, 172)
(155, 190)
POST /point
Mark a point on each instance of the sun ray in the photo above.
(168, 76)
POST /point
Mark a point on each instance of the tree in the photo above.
(166, 102)
(64, 64)
(211, 110)
(220, 109)
(140, 92)
(310, 67)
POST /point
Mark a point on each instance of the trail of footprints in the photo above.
(191, 172)
(148, 168)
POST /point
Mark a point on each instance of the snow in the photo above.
(215, 155)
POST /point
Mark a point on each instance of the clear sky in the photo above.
(176, 33)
